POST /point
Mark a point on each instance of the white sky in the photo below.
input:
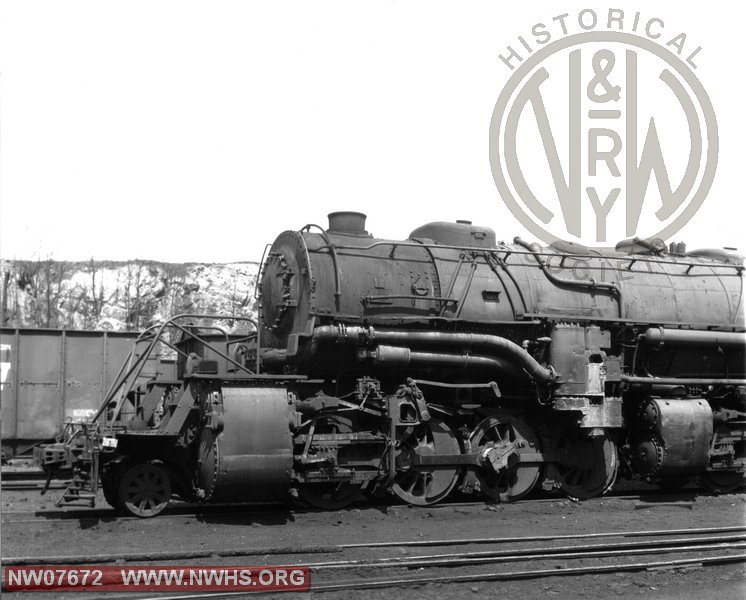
(197, 131)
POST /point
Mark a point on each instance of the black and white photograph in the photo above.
(386, 298)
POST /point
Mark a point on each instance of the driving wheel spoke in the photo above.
(589, 467)
(422, 485)
(518, 481)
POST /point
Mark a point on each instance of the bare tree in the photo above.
(134, 284)
(6, 283)
(50, 309)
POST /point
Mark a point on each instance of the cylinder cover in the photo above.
(676, 438)
(251, 458)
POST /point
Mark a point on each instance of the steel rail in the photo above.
(30, 486)
(327, 549)
(162, 555)
(532, 574)
(370, 583)
(545, 538)
(547, 552)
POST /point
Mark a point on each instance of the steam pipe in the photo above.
(661, 335)
(402, 356)
(504, 265)
(500, 345)
(493, 265)
(680, 381)
(610, 287)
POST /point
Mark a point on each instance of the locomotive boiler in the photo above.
(445, 361)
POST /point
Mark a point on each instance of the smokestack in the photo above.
(347, 222)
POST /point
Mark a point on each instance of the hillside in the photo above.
(120, 296)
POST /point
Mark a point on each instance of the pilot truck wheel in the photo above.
(145, 489)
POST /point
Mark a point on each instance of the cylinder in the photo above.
(676, 438)
(251, 458)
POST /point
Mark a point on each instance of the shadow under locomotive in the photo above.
(413, 368)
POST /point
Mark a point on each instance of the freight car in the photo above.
(445, 361)
(49, 377)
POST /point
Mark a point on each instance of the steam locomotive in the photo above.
(445, 361)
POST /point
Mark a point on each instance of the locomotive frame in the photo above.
(416, 367)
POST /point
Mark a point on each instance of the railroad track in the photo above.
(530, 574)
(598, 553)
(23, 474)
(732, 535)
(31, 486)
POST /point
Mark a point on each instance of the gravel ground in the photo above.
(298, 529)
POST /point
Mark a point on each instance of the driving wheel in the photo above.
(331, 495)
(514, 482)
(588, 466)
(423, 485)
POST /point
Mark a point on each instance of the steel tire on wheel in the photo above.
(515, 483)
(332, 495)
(423, 486)
(595, 470)
(145, 489)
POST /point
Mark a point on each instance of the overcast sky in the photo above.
(197, 131)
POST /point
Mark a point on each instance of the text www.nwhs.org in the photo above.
(156, 578)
